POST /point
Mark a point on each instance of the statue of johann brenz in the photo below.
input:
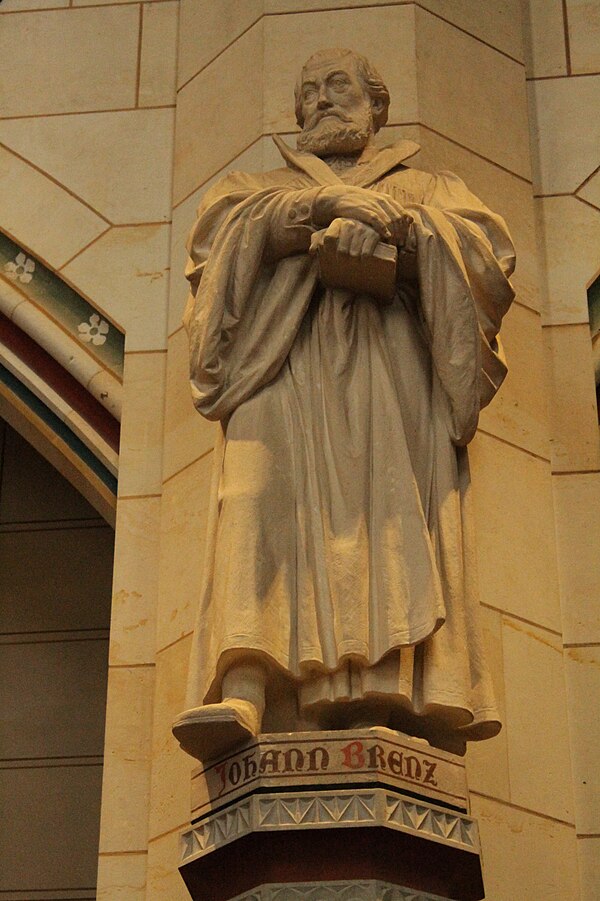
(342, 324)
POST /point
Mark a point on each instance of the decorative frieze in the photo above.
(368, 890)
(325, 810)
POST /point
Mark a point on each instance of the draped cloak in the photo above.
(340, 549)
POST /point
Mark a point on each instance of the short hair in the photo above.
(370, 77)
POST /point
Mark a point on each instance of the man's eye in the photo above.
(310, 95)
(339, 83)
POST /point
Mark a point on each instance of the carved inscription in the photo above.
(361, 757)
(357, 756)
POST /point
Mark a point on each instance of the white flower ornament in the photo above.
(22, 268)
(94, 331)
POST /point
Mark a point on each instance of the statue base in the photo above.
(363, 815)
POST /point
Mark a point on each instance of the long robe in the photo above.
(340, 550)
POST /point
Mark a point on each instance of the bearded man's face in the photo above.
(336, 107)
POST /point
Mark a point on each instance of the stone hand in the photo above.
(352, 256)
(383, 215)
(347, 237)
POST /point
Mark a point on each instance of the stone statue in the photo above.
(342, 324)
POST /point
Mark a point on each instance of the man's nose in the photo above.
(323, 102)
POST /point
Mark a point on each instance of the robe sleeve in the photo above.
(464, 259)
(244, 311)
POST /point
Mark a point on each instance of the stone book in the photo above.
(374, 275)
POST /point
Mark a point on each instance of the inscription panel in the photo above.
(312, 759)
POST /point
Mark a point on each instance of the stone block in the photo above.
(89, 60)
(220, 24)
(566, 132)
(588, 853)
(577, 505)
(515, 574)
(188, 435)
(525, 856)
(140, 453)
(573, 411)
(497, 24)
(96, 157)
(159, 55)
(163, 880)
(584, 35)
(52, 694)
(184, 517)
(171, 769)
(127, 755)
(590, 191)
(536, 717)
(544, 38)
(582, 670)
(48, 841)
(519, 412)
(492, 84)
(233, 124)
(28, 223)
(13, 6)
(42, 575)
(122, 877)
(570, 265)
(135, 581)
(107, 2)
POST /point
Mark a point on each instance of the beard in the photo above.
(332, 135)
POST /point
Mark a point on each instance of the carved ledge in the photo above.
(341, 809)
(369, 890)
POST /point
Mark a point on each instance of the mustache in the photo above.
(336, 114)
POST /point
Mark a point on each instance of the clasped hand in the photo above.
(356, 220)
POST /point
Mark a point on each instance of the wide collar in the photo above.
(362, 175)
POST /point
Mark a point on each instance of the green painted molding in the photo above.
(76, 315)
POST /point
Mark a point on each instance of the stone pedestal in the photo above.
(361, 815)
